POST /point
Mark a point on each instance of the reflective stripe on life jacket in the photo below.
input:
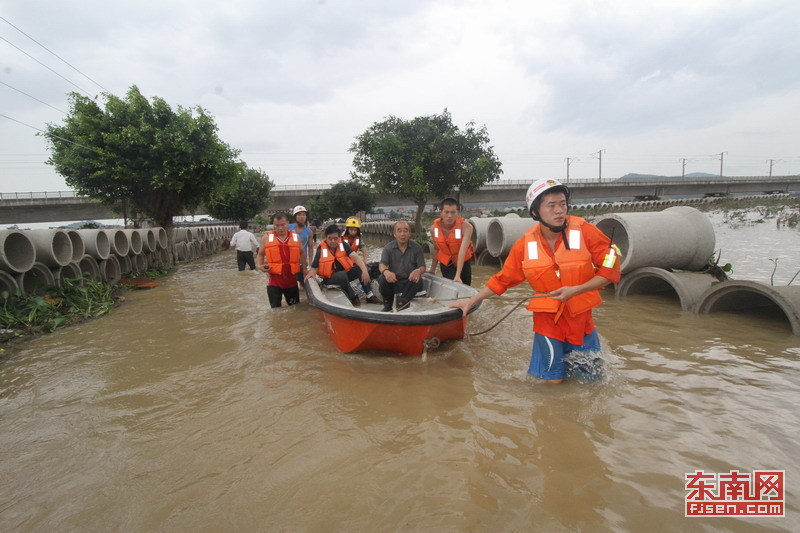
(272, 253)
(355, 243)
(449, 246)
(326, 260)
(569, 267)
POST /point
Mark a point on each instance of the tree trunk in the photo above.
(418, 231)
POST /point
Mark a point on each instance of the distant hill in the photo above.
(633, 176)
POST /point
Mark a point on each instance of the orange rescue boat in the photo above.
(424, 324)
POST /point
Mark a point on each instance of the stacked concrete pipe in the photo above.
(503, 232)
(17, 253)
(78, 248)
(96, 243)
(134, 241)
(109, 270)
(36, 280)
(678, 237)
(53, 246)
(89, 267)
(120, 245)
(481, 226)
(8, 283)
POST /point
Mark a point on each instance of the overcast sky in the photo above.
(292, 83)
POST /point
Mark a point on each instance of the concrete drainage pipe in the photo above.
(481, 226)
(110, 271)
(687, 286)
(503, 232)
(36, 280)
(89, 267)
(678, 237)
(120, 245)
(96, 243)
(17, 253)
(753, 297)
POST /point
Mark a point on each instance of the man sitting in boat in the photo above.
(338, 264)
(452, 243)
(282, 257)
(402, 265)
(566, 260)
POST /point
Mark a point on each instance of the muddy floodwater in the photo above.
(194, 407)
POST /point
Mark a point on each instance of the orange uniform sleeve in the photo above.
(511, 274)
(598, 244)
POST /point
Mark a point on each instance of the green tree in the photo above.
(424, 158)
(157, 161)
(343, 199)
(248, 196)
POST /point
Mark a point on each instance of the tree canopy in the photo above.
(343, 199)
(158, 161)
(248, 196)
(424, 158)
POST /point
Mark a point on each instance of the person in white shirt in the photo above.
(244, 242)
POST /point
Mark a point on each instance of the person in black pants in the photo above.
(402, 265)
(244, 242)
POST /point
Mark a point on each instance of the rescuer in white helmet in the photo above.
(565, 260)
(303, 230)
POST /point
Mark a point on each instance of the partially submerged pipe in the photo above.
(17, 253)
(687, 286)
(53, 247)
(679, 237)
(753, 298)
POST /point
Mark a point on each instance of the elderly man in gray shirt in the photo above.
(402, 265)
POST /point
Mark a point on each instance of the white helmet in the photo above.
(299, 209)
(539, 187)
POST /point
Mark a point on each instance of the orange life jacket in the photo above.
(354, 242)
(450, 245)
(272, 254)
(571, 267)
(326, 259)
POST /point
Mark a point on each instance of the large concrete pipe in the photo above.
(96, 243)
(184, 235)
(78, 248)
(109, 270)
(53, 246)
(134, 240)
(7, 284)
(503, 232)
(487, 259)
(687, 286)
(481, 226)
(70, 271)
(139, 263)
(753, 298)
(17, 253)
(89, 267)
(125, 264)
(36, 280)
(427, 248)
(120, 245)
(161, 237)
(148, 239)
(678, 237)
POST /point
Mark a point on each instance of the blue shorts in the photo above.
(549, 361)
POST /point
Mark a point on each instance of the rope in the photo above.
(498, 322)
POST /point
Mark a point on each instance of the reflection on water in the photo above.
(196, 407)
